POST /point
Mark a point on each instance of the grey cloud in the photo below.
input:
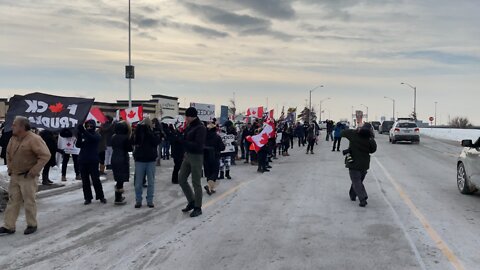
(208, 32)
(226, 18)
(278, 9)
(244, 25)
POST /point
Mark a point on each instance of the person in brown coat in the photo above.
(27, 154)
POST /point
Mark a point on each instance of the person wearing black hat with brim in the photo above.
(362, 144)
(194, 144)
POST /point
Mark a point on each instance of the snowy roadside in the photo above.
(451, 134)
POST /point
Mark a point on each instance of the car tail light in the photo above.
(397, 130)
(417, 130)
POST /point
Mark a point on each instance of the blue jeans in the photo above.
(143, 169)
(166, 149)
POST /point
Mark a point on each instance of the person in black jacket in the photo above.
(246, 144)
(121, 145)
(51, 143)
(194, 142)
(176, 136)
(88, 159)
(4, 140)
(145, 154)
(211, 163)
(362, 144)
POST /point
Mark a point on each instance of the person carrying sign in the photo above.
(27, 154)
(211, 163)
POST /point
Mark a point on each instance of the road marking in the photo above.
(451, 257)
(205, 205)
(400, 224)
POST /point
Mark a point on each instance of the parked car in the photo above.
(405, 131)
(322, 125)
(385, 127)
(376, 125)
(468, 167)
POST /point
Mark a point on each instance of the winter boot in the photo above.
(64, 178)
(197, 211)
(221, 175)
(227, 174)
(109, 167)
(78, 177)
(119, 199)
(189, 207)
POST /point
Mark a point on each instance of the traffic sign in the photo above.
(431, 118)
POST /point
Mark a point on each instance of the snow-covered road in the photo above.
(298, 216)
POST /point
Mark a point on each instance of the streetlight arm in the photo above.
(411, 86)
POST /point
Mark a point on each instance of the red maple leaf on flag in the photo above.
(131, 114)
(264, 139)
(69, 144)
(56, 108)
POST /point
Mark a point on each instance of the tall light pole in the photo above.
(310, 102)
(435, 119)
(321, 101)
(414, 99)
(129, 70)
(393, 112)
(367, 110)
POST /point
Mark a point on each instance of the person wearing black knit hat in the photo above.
(194, 144)
(362, 144)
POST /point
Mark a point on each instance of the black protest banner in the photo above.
(48, 112)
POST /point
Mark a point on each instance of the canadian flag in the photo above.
(259, 140)
(132, 115)
(96, 115)
(270, 114)
(256, 112)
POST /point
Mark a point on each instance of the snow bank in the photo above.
(451, 133)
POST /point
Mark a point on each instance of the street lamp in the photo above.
(367, 110)
(321, 101)
(393, 112)
(414, 99)
(435, 119)
(310, 102)
(129, 70)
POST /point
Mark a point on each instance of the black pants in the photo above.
(336, 143)
(357, 188)
(301, 141)
(177, 163)
(262, 158)
(45, 172)
(311, 144)
(90, 171)
(329, 135)
(65, 160)
(291, 142)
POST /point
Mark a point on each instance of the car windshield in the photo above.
(407, 125)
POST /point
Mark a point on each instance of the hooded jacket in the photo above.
(88, 141)
(361, 146)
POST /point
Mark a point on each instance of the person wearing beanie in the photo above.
(194, 143)
(88, 159)
(362, 144)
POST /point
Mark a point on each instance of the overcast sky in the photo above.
(204, 50)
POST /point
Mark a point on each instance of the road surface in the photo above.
(298, 216)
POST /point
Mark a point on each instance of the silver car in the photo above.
(405, 131)
(468, 167)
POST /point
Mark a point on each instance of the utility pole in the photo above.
(129, 70)
(435, 113)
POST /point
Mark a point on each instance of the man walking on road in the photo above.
(27, 154)
(194, 143)
(362, 144)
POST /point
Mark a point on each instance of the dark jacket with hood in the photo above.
(4, 140)
(195, 136)
(176, 138)
(88, 141)
(51, 143)
(145, 144)
(121, 145)
(361, 146)
(213, 145)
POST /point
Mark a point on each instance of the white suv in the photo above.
(468, 167)
(405, 131)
